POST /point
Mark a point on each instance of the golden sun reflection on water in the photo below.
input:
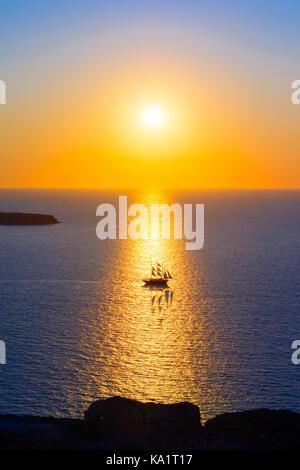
(147, 338)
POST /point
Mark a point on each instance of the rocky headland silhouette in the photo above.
(119, 424)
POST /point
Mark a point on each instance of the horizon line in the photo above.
(184, 188)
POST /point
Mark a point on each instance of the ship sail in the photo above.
(166, 275)
(153, 271)
(159, 273)
(169, 275)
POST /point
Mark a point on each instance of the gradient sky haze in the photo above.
(80, 74)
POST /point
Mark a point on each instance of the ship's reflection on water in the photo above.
(162, 301)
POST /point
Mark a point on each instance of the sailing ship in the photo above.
(159, 276)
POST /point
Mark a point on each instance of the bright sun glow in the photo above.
(154, 117)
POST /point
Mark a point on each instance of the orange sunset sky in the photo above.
(78, 90)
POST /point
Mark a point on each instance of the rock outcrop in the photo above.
(21, 218)
(261, 428)
(149, 425)
(120, 424)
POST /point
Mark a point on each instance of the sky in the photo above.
(80, 75)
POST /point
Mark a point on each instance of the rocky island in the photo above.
(120, 424)
(21, 218)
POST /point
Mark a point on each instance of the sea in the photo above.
(79, 325)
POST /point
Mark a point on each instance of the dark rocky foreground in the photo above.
(21, 218)
(120, 424)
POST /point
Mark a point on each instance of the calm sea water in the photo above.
(78, 325)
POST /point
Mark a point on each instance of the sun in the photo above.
(153, 117)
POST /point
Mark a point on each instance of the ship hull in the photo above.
(155, 282)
